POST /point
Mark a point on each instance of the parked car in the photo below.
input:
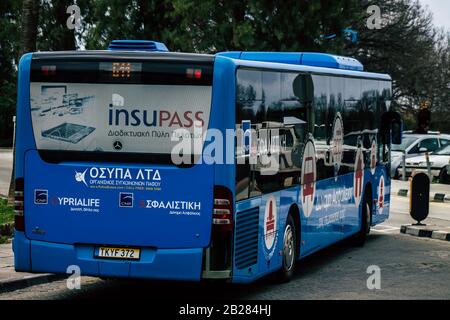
(439, 162)
(446, 177)
(415, 145)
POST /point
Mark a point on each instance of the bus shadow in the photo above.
(216, 290)
(322, 258)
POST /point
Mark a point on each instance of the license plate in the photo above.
(119, 253)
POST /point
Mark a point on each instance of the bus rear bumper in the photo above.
(169, 264)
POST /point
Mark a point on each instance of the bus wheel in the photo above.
(289, 251)
(360, 238)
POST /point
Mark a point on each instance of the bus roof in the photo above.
(304, 62)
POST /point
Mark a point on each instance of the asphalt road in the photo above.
(6, 160)
(411, 268)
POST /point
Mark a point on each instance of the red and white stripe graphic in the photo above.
(308, 180)
(358, 177)
(373, 156)
(381, 193)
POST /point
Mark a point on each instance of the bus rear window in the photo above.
(117, 107)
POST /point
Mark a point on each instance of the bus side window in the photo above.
(325, 167)
(369, 114)
(249, 109)
(352, 122)
(335, 107)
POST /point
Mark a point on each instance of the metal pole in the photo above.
(14, 132)
(427, 158)
(12, 185)
(404, 166)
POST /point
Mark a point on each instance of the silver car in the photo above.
(415, 145)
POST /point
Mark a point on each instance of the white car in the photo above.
(439, 161)
(414, 145)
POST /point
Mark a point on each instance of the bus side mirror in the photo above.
(396, 131)
(391, 128)
(303, 88)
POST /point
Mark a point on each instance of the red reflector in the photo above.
(19, 221)
(197, 73)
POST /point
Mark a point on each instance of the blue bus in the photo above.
(97, 186)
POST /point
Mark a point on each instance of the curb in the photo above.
(17, 284)
(433, 232)
(434, 197)
(441, 235)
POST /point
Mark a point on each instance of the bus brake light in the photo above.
(48, 70)
(197, 74)
(19, 222)
(223, 211)
(193, 73)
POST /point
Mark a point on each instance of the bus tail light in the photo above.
(223, 209)
(218, 256)
(19, 222)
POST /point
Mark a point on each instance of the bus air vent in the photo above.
(246, 242)
(137, 45)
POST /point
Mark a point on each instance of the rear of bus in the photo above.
(96, 186)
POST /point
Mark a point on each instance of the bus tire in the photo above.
(359, 239)
(289, 251)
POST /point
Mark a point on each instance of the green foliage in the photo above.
(107, 20)
(210, 26)
(53, 32)
(10, 30)
(6, 212)
(3, 239)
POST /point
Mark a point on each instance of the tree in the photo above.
(10, 48)
(53, 31)
(29, 23)
(107, 20)
(405, 48)
(298, 25)
(440, 91)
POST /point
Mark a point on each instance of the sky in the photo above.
(440, 10)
